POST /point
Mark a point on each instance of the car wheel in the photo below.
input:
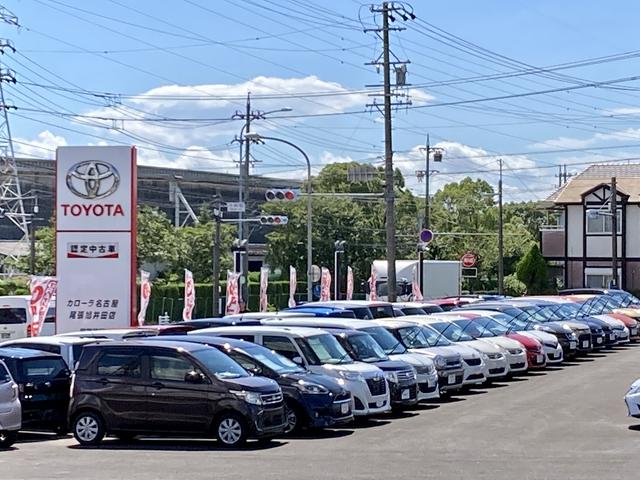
(293, 417)
(88, 428)
(7, 438)
(230, 430)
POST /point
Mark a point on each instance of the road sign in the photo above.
(235, 207)
(426, 235)
(469, 273)
(469, 260)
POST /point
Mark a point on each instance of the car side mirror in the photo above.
(256, 371)
(297, 360)
(194, 377)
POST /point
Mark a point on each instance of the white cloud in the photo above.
(43, 146)
(565, 142)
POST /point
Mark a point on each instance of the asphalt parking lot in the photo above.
(565, 423)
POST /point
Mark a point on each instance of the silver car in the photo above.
(10, 410)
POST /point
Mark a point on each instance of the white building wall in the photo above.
(574, 230)
(633, 231)
(600, 246)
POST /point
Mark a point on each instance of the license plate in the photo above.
(634, 331)
(612, 336)
(539, 359)
(5, 335)
(451, 380)
(585, 344)
(572, 345)
(599, 340)
(379, 403)
(344, 408)
(406, 394)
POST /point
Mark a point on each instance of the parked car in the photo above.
(448, 361)
(311, 400)
(319, 352)
(10, 409)
(511, 318)
(602, 307)
(178, 388)
(43, 382)
(130, 333)
(417, 308)
(15, 318)
(321, 311)
(632, 399)
(199, 323)
(533, 347)
(427, 375)
(68, 347)
(362, 309)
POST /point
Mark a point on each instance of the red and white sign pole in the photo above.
(233, 297)
(145, 296)
(43, 289)
(189, 295)
(415, 285)
(264, 284)
(349, 283)
(293, 280)
(325, 285)
(373, 280)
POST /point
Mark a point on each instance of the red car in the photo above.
(535, 352)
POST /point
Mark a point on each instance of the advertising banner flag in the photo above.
(145, 295)
(43, 289)
(415, 285)
(373, 280)
(95, 212)
(349, 283)
(325, 285)
(264, 283)
(233, 297)
(293, 280)
(189, 295)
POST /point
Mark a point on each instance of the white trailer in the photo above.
(441, 278)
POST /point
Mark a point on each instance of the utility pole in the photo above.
(426, 174)
(404, 11)
(500, 236)
(614, 233)
(11, 197)
(217, 217)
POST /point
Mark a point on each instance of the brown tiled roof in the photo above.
(627, 179)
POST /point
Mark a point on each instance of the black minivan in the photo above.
(172, 389)
(43, 384)
(311, 400)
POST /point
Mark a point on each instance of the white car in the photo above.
(425, 368)
(10, 409)
(319, 352)
(552, 349)
(69, 348)
(16, 318)
(632, 399)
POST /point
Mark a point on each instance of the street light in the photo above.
(339, 248)
(255, 137)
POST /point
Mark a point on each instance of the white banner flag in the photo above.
(349, 283)
(264, 283)
(293, 280)
(145, 295)
(43, 289)
(189, 295)
(325, 285)
(373, 280)
(415, 285)
(233, 297)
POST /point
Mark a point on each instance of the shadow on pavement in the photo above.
(635, 427)
(398, 414)
(321, 434)
(33, 437)
(499, 384)
(518, 379)
(473, 391)
(368, 423)
(536, 373)
(444, 400)
(423, 407)
(176, 445)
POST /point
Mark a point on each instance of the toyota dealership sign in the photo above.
(95, 237)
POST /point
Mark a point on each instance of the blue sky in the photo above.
(196, 60)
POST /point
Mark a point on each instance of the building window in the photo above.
(598, 223)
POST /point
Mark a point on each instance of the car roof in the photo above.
(188, 346)
(53, 340)
(395, 323)
(413, 304)
(323, 322)
(480, 312)
(264, 329)
(16, 352)
(353, 303)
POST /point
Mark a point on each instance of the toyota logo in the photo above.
(93, 179)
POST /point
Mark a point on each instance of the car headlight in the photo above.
(566, 327)
(352, 376)
(515, 351)
(495, 356)
(253, 398)
(391, 376)
(550, 344)
(440, 362)
(425, 369)
(308, 387)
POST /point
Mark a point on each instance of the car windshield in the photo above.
(413, 311)
(272, 360)
(364, 348)
(474, 328)
(381, 311)
(219, 364)
(386, 340)
(42, 369)
(322, 349)
(413, 337)
(537, 312)
(362, 313)
(491, 327)
(452, 331)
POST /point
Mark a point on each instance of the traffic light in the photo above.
(274, 220)
(287, 195)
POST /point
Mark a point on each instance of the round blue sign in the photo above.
(426, 236)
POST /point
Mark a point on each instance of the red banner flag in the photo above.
(349, 283)
(145, 295)
(325, 285)
(233, 297)
(293, 280)
(264, 283)
(43, 289)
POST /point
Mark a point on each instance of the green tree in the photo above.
(157, 239)
(44, 253)
(532, 271)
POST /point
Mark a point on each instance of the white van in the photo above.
(15, 318)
